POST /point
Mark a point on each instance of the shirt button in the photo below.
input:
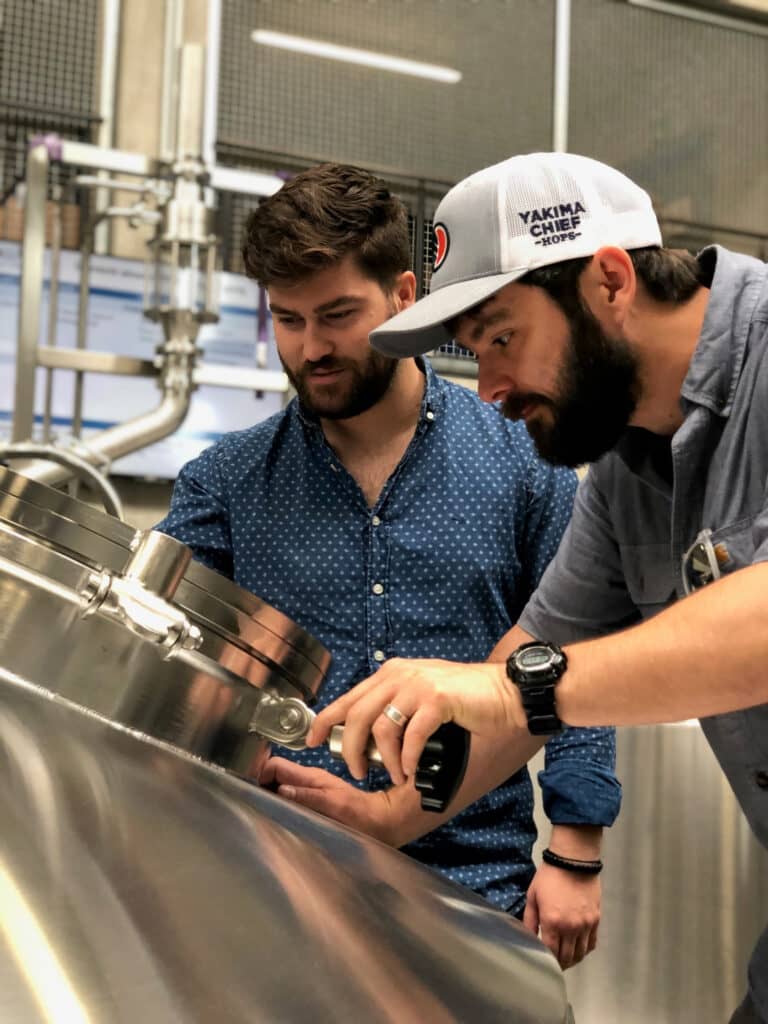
(761, 778)
(379, 656)
(430, 415)
(377, 588)
(376, 521)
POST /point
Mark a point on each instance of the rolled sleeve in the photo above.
(578, 784)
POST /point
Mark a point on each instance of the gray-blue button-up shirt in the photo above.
(620, 559)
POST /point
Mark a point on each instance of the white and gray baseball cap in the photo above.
(526, 212)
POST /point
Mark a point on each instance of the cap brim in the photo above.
(421, 327)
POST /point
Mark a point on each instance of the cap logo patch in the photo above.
(442, 244)
(548, 225)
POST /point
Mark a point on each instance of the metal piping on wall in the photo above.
(561, 84)
(74, 463)
(177, 386)
(30, 292)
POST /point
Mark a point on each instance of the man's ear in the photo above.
(609, 283)
(405, 290)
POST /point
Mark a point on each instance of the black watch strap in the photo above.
(535, 668)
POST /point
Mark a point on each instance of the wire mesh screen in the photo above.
(277, 106)
(682, 107)
(48, 64)
(284, 102)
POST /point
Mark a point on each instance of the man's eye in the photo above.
(502, 340)
(340, 315)
(288, 321)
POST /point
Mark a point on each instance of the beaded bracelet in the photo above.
(580, 867)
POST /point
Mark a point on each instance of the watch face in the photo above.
(534, 657)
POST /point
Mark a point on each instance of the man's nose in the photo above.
(316, 343)
(491, 384)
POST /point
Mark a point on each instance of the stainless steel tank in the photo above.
(127, 626)
(140, 878)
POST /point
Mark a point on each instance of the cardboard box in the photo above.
(12, 223)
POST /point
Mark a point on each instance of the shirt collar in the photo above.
(736, 282)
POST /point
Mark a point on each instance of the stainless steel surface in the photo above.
(158, 562)
(685, 890)
(211, 88)
(74, 463)
(101, 541)
(83, 301)
(334, 745)
(118, 161)
(284, 720)
(561, 76)
(184, 291)
(53, 306)
(189, 123)
(108, 60)
(111, 444)
(95, 362)
(172, 36)
(250, 379)
(251, 183)
(122, 624)
(137, 884)
(711, 17)
(31, 290)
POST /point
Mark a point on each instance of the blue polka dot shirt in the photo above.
(440, 567)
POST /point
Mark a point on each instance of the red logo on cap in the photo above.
(442, 242)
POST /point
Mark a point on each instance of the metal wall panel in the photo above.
(48, 64)
(685, 889)
(272, 100)
(679, 105)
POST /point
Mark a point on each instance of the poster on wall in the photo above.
(116, 324)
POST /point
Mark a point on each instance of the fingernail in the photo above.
(289, 792)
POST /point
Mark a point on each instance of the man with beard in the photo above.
(353, 512)
(654, 365)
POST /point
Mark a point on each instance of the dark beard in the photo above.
(370, 382)
(598, 386)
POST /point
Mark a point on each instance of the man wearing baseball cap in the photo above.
(652, 365)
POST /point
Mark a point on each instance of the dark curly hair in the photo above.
(668, 275)
(319, 217)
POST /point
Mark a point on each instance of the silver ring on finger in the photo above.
(395, 715)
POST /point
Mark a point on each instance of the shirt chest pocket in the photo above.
(649, 575)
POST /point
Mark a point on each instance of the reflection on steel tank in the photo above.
(685, 889)
(142, 876)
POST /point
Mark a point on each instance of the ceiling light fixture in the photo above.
(351, 55)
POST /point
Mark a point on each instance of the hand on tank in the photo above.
(327, 794)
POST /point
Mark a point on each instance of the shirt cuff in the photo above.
(580, 794)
